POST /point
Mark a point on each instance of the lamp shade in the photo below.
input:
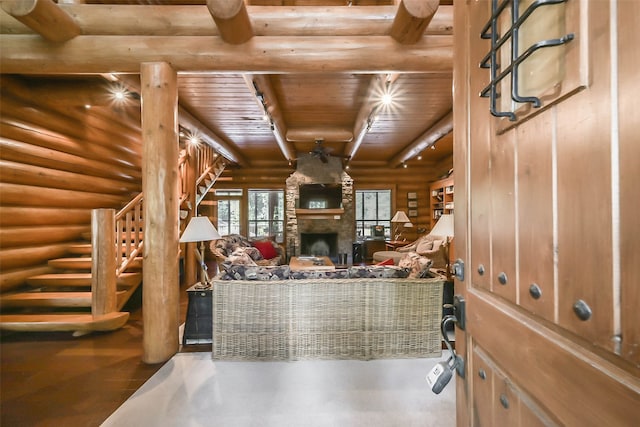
(400, 216)
(199, 229)
(444, 226)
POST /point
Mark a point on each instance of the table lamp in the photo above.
(399, 218)
(200, 230)
(444, 227)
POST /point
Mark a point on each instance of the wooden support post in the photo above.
(44, 17)
(412, 19)
(160, 298)
(103, 262)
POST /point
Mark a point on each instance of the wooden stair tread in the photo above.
(84, 263)
(85, 248)
(78, 279)
(49, 299)
(63, 322)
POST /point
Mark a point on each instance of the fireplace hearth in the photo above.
(319, 244)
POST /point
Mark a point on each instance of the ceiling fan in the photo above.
(320, 151)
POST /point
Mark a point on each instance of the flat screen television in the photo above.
(320, 196)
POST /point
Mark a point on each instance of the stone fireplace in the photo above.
(331, 230)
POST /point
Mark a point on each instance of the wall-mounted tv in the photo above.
(320, 196)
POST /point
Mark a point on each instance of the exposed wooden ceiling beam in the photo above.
(44, 17)
(363, 119)
(261, 88)
(412, 19)
(189, 121)
(329, 134)
(266, 20)
(232, 20)
(424, 141)
(103, 54)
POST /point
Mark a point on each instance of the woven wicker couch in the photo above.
(352, 318)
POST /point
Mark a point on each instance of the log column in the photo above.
(160, 296)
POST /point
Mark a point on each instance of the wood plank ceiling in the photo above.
(303, 106)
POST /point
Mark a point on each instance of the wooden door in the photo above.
(546, 216)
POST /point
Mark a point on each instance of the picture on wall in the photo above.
(413, 203)
(412, 196)
(413, 212)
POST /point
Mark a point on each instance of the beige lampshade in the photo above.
(199, 229)
(400, 216)
(444, 226)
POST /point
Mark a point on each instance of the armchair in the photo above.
(429, 246)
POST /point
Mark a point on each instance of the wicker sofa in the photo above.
(327, 318)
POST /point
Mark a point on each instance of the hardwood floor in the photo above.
(54, 379)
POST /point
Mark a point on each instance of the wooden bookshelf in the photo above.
(441, 199)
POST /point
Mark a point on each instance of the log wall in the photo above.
(58, 162)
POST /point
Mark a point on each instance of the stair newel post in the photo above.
(103, 261)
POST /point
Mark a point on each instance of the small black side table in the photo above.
(199, 324)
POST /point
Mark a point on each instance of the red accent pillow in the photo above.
(388, 261)
(266, 249)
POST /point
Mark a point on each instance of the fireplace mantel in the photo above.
(319, 213)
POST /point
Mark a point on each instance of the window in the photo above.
(228, 211)
(266, 214)
(373, 207)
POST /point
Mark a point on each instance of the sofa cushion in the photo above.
(373, 272)
(338, 273)
(254, 272)
(266, 248)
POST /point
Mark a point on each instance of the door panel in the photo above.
(480, 174)
(535, 217)
(551, 200)
(502, 195)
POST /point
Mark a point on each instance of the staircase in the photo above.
(72, 298)
(66, 300)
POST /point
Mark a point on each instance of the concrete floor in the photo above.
(193, 390)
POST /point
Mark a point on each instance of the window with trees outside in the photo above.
(228, 211)
(266, 214)
(373, 207)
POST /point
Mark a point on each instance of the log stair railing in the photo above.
(209, 167)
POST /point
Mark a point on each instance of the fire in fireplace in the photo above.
(319, 244)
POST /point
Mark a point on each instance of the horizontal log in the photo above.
(328, 134)
(13, 279)
(30, 255)
(27, 195)
(25, 54)
(168, 20)
(44, 17)
(16, 111)
(19, 173)
(43, 137)
(24, 152)
(31, 216)
(13, 237)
